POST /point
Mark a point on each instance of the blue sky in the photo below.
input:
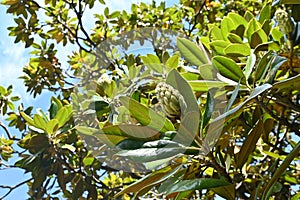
(13, 58)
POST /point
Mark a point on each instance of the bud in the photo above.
(169, 98)
(285, 22)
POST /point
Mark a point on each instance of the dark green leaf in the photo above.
(249, 144)
(196, 184)
(228, 68)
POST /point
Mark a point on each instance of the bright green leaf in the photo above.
(193, 53)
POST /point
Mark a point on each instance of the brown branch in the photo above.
(7, 132)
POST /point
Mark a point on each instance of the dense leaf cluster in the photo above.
(211, 108)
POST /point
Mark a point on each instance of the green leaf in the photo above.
(207, 72)
(227, 192)
(237, 19)
(196, 184)
(219, 46)
(145, 189)
(151, 154)
(130, 144)
(204, 85)
(147, 180)
(180, 84)
(173, 61)
(15, 98)
(52, 126)
(3, 91)
(153, 63)
(112, 136)
(88, 161)
(193, 53)
(39, 122)
(209, 107)
(277, 34)
(249, 144)
(263, 66)
(237, 50)
(64, 115)
(69, 147)
(279, 171)
(252, 27)
(250, 65)
(146, 116)
(27, 118)
(188, 128)
(227, 25)
(214, 129)
(228, 68)
(215, 33)
(233, 97)
(265, 13)
(276, 64)
(267, 46)
(258, 37)
(288, 84)
(234, 38)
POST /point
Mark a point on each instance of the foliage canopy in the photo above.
(181, 102)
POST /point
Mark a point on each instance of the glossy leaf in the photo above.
(193, 53)
(228, 68)
(237, 50)
(52, 126)
(265, 13)
(39, 122)
(227, 26)
(64, 115)
(151, 154)
(204, 85)
(146, 116)
(209, 107)
(250, 65)
(219, 46)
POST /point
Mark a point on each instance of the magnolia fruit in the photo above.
(285, 22)
(170, 99)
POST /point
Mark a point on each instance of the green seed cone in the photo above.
(285, 22)
(169, 98)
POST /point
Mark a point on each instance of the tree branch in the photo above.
(11, 188)
(8, 133)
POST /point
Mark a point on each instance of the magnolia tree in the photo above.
(194, 100)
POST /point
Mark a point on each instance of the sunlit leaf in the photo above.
(228, 68)
(146, 116)
(193, 53)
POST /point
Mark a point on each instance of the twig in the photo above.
(7, 132)
(11, 188)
